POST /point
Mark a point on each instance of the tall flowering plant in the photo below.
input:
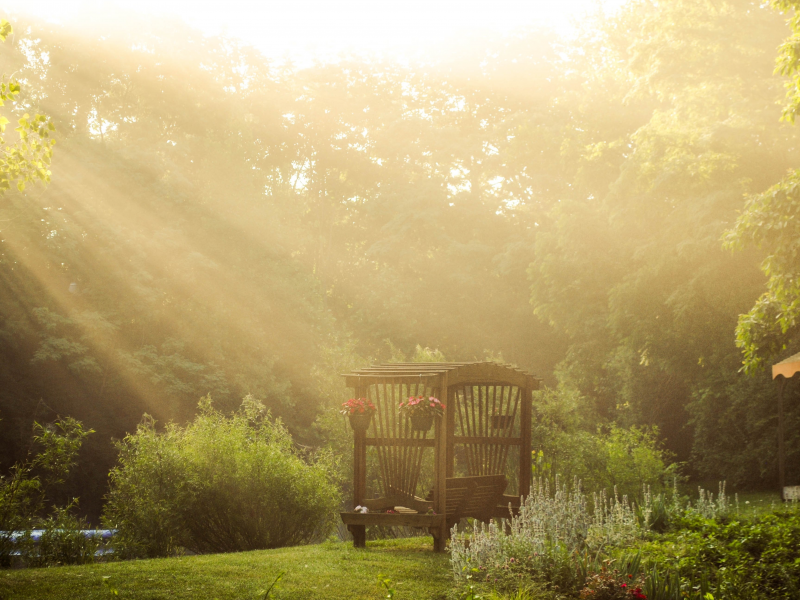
(358, 406)
(419, 406)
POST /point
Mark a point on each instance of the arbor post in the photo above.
(781, 447)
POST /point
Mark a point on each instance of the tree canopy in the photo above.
(28, 159)
(768, 223)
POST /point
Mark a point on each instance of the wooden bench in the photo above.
(477, 497)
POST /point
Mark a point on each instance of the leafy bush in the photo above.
(220, 484)
(731, 557)
(63, 541)
(612, 457)
(24, 491)
(147, 490)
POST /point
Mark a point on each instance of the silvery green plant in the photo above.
(661, 512)
(709, 507)
(551, 528)
(614, 521)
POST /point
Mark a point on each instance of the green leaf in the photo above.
(5, 29)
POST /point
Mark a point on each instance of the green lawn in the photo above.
(331, 570)
(752, 503)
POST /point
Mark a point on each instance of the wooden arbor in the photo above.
(488, 418)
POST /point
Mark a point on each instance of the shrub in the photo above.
(147, 490)
(608, 457)
(24, 491)
(220, 484)
(63, 541)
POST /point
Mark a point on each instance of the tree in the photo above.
(629, 266)
(771, 222)
(27, 159)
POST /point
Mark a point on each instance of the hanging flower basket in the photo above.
(421, 410)
(421, 422)
(359, 411)
(360, 422)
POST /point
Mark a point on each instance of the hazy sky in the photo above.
(303, 27)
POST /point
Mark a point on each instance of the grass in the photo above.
(751, 503)
(757, 503)
(330, 570)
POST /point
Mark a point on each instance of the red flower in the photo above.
(357, 406)
(422, 405)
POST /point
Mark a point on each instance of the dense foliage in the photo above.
(739, 557)
(570, 443)
(220, 484)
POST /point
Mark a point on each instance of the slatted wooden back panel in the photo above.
(487, 423)
(474, 496)
(399, 458)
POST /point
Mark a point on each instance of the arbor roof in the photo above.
(787, 367)
(458, 373)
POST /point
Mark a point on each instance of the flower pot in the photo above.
(360, 421)
(421, 422)
(502, 421)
